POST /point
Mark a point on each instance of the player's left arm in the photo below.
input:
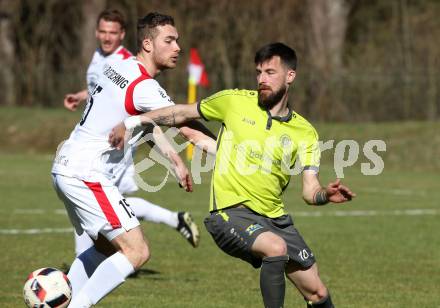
(314, 194)
(180, 170)
(197, 126)
(199, 139)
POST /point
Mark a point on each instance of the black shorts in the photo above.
(234, 230)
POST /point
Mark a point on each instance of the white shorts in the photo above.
(95, 207)
(126, 183)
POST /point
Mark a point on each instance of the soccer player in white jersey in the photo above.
(85, 166)
(110, 32)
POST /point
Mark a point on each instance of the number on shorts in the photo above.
(127, 208)
(303, 254)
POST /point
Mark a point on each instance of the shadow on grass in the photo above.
(143, 272)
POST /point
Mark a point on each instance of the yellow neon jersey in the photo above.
(256, 152)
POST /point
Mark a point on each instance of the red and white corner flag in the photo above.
(197, 77)
(196, 69)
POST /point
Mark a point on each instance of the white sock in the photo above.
(152, 212)
(82, 243)
(107, 276)
(83, 267)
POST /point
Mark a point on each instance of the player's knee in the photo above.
(317, 294)
(137, 255)
(143, 255)
(277, 248)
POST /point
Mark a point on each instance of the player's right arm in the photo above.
(72, 100)
(184, 117)
(171, 116)
(168, 116)
(214, 107)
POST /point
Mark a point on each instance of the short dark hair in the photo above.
(112, 15)
(147, 24)
(287, 54)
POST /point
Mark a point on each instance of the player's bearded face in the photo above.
(166, 48)
(272, 82)
(267, 97)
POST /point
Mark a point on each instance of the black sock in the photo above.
(326, 302)
(272, 281)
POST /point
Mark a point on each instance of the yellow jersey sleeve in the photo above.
(216, 106)
(309, 152)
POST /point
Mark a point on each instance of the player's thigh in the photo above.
(297, 249)
(62, 191)
(234, 231)
(97, 206)
(269, 244)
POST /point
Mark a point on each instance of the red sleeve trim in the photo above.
(129, 103)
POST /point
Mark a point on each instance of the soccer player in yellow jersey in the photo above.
(260, 140)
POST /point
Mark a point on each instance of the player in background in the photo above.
(260, 140)
(86, 164)
(110, 32)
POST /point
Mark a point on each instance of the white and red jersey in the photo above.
(99, 59)
(124, 89)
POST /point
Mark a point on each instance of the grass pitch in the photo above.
(381, 250)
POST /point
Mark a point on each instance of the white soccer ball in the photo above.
(47, 287)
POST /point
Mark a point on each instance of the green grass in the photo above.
(388, 259)
(367, 261)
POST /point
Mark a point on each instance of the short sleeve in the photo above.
(309, 152)
(149, 95)
(216, 106)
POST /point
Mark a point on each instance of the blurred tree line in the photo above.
(359, 60)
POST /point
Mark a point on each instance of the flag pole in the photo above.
(192, 97)
(197, 76)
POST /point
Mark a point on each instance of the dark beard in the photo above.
(270, 101)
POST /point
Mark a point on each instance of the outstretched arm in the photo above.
(315, 194)
(171, 116)
(168, 116)
(72, 100)
(199, 135)
(199, 139)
